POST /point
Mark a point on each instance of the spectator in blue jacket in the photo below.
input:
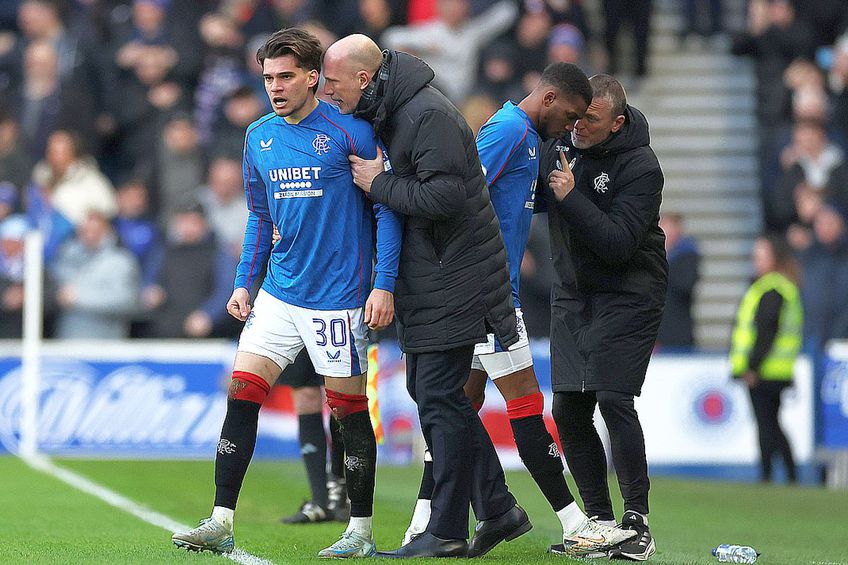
(136, 229)
(824, 287)
(676, 328)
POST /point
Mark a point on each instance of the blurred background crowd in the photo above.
(800, 53)
(122, 121)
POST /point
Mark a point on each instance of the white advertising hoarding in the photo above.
(693, 413)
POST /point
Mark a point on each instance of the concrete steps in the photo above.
(718, 186)
(722, 104)
(700, 105)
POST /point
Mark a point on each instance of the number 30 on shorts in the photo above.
(338, 332)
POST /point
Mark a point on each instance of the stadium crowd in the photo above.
(800, 51)
(122, 123)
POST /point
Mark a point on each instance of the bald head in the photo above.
(349, 66)
(357, 51)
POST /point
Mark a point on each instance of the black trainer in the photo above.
(639, 548)
(309, 513)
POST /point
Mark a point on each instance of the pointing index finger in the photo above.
(564, 160)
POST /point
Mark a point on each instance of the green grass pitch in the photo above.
(42, 520)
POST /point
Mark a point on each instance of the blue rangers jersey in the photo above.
(297, 177)
(509, 151)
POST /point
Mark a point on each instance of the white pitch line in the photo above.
(112, 498)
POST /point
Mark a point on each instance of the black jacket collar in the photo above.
(407, 75)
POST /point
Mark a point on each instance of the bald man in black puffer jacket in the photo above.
(453, 283)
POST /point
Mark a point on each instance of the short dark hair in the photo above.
(784, 256)
(569, 79)
(189, 205)
(242, 92)
(78, 145)
(608, 87)
(299, 43)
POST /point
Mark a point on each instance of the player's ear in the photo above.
(549, 98)
(313, 78)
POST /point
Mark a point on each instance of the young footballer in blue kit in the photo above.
(509, 145)
(317, 292)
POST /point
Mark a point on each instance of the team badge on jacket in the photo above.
(601, 183)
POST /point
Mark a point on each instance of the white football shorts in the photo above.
(336, 340)
(497, 362)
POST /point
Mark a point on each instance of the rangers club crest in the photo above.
(601, 183)
(321, 144)
(226, 447)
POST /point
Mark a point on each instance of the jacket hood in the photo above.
(406, 76)
(633, 134)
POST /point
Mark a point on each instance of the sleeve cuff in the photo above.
(377, 188)
(571, 200)
(384, 282)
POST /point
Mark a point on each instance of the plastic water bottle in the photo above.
(727, 553)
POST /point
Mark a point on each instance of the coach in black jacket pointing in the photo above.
(453, 282)
(604, 189)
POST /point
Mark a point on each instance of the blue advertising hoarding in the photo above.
(834, 398)
(168, 400)
(127, 399)
(157, 399)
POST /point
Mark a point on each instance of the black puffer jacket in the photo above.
(453, 282)
(608, 226)
(610, 264)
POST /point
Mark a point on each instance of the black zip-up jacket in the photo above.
(610, 228)
(610, 267)
(453, 281)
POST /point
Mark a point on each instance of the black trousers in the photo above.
(765, 400)
(638, 12)
(466, 468)
(584, 452)
(713, 13)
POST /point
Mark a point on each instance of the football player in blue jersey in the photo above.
(509, 149)
(317, 292)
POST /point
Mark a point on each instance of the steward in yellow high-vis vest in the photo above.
(778, 362)
(765, 344)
